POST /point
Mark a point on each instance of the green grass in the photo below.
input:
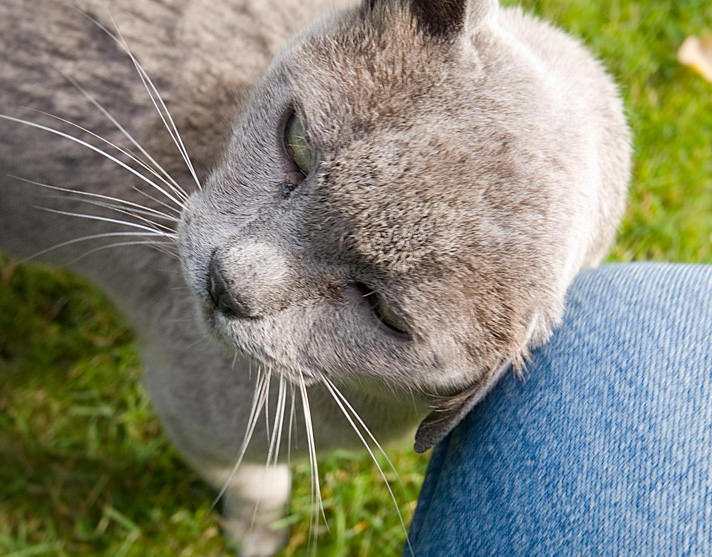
(84, 469)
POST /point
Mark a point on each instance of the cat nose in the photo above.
(224, 300)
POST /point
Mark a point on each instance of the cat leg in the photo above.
(255, 498)
(204, 401)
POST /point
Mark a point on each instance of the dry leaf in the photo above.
(696, 53)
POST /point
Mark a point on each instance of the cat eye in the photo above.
(384, 312)
(388, 317)
(296, 145)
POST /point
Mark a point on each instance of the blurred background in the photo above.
(84, 469)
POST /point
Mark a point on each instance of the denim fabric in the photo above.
(604, 447)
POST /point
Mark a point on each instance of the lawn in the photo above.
(84, 469)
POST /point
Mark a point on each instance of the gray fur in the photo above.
(467, 170)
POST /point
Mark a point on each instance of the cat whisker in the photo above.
(155, 95)
(314, 513)
(159, 227)
(273, 437)
(167, 179)
(93, 148)
(273, 451)
(107, 219)
(317, 503)
(146, 81)
(153, 198)
(269, 377)
(137, 207)
(135, 213)
(347, 404)
(154, 244)
(291, 422)
(343, 405)
(277, 431)
(258, 400)
(83, 239)
(176, 190)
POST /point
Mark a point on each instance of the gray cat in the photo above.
(379, 217)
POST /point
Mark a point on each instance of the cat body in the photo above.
(469, 160)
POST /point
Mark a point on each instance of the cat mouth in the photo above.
(254, 355)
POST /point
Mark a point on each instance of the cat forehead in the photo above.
(371, 69)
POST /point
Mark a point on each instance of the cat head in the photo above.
(379, 217)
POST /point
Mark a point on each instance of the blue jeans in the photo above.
(604, 447)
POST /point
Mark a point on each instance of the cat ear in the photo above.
(443, 18)
(446, 18)
(445, 416)
(450, 411)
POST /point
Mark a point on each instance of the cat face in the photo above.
(382, 214)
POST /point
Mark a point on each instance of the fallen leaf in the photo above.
(696, 53)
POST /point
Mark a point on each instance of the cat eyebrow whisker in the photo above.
(95, 149)
(168, 180)
(343, 405)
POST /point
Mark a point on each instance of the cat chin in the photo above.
(218, 329)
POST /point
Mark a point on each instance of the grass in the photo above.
(85, 469)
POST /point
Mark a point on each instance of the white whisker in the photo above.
(316, 489)
(152, 198)
(332, 389)
(107, 219)
(273, 453)
(363, 425)
(157, 245)
(291, 424)
(83, 239)
(168, 180)
(258, 401)
(273, 437)
(269, 377)
(135, 213)
(146, 81)
(138, 207)
(155, 95)
(93, 148)
(273, 450)
(177, 190)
